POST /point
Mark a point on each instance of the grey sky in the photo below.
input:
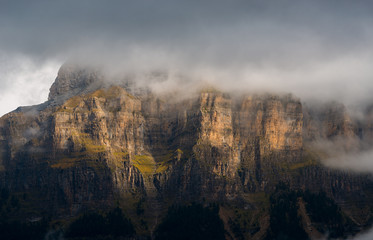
(320, 49)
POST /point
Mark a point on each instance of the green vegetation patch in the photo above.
(145, 164)
(120, 154)
(111, 93)
(77, 159)
(70, 105)
(89, 152)
(119, 158)
(65, 163)
(148, 165)
(88, 145)
(164, 161)
(309, 159)
(162, 167)
(307, 163)
(73, 102)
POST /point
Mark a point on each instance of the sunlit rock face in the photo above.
(97, 146)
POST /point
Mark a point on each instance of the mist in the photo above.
(345, 153)
(357, 161)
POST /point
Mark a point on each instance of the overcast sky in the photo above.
(321, 49)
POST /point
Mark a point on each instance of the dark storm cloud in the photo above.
(317, 49)
(228, 27)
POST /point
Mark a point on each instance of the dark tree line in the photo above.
(11, 229)
(285, 224)
(101, 226)
(326, 216)
(191, 222)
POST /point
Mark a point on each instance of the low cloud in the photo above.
(357, 161)
(307, 75)
(346, 153)
(318, 49)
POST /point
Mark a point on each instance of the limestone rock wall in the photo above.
(106, 144)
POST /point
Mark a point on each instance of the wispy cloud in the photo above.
(24, 81)
(346, 153)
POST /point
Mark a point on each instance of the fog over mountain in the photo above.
(318, 49)
(275, 107)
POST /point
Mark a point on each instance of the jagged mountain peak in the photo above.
(72, 79)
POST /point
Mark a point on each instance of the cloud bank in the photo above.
(361, 162)
(24, 81)
(314, 49)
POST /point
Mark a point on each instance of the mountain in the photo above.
(247, 165)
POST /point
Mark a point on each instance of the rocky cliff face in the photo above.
(72, 80)
(100, 146)
(330, 121)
